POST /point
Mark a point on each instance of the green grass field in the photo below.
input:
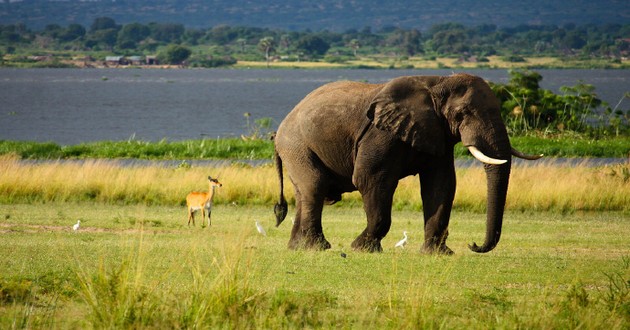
(563, 261)
(140, 266)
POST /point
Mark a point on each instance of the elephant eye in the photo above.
(459, 116)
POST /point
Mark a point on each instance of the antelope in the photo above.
(201, 201)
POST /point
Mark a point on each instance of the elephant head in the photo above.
(432, 114)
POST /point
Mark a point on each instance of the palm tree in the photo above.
(266, 45)
(354, 44)
(242, 42)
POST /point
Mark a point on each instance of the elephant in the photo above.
(347, 136)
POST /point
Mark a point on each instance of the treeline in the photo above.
(250, 43)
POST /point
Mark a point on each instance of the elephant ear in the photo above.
(406, 108)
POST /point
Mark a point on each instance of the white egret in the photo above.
(403, 241)
(76, 225)
(260, 229)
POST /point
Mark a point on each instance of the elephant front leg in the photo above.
(438, 192)
(307, 232)
(377, 203)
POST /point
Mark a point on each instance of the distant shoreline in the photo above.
(380, 63)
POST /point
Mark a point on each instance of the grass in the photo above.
(563, 260)
(535, 186)
(137, 266)
(559, 145)
(189, 149)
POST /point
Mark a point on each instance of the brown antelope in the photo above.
(201, 201)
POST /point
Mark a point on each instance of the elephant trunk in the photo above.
(498, 177)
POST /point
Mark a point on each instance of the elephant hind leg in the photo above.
(307, 232)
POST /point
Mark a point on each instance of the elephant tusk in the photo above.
(483, 158)
(519, 154)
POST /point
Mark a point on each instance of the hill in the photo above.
(334, 15)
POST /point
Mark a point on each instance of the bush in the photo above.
(514, 59)
(174, 54)
(213, 62)
(525, 106)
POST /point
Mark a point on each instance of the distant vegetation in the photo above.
(225, 45)
(332, 15)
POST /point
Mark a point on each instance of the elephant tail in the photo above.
(281, 208)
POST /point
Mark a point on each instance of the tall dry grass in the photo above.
(538, 187)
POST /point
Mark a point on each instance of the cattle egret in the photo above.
(76, 225)
(260, 229)
(403, 241)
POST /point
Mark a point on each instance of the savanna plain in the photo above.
(563, 261)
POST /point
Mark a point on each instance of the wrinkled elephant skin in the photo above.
(347, 136)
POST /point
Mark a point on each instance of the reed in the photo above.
(539, 187)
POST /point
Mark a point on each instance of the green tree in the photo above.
(72, 32)
(222, 34)
(526, 106)
(53, 30)
(131, 34)
(174, 54)
(102, 38)
(573, 40)
(450, 41)
(408, 41)
(312, 45)
(167, 32)
(103, 23)
(285, 42)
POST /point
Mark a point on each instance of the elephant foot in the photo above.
(363, 243)
(441, 250)
(309, 243)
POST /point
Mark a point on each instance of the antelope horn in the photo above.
(519, 154)
(483, 158)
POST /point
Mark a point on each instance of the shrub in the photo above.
(525, 106)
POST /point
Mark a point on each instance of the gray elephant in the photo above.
(347, 136)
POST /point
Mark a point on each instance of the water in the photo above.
(71, 106)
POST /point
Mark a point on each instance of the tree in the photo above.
(167, 32)
(72, 32)
(285, 42)
(312, 45)
(573, 40)
(131, 34)
(242, 42)
(408, 41)
(174, 54)
(354, 44)
(222, 34)
(53, 30)
(103, 23)
(267, 45)
(106, 37)
(450, 41)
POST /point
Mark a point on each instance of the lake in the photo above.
(71, 106)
